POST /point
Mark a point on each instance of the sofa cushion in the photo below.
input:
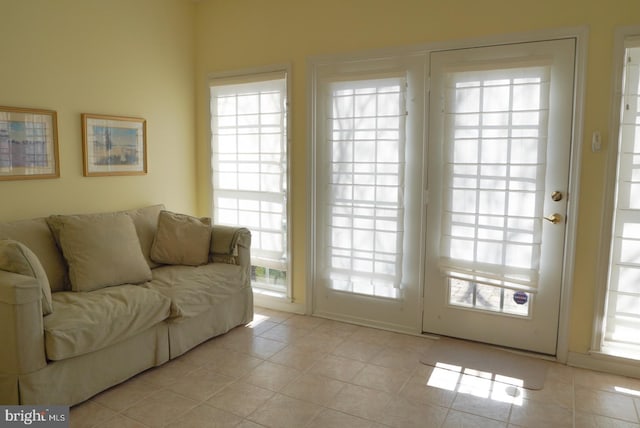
(17, 258)
(196, 289)
(87, 322)
(181, 240)
(146, 221)
(36, 235)
(100, 250)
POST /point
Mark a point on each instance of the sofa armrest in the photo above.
(232, 245)
(21, 324)
(226, 242)
(244, 248)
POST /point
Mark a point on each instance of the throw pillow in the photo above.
(17, 258)
(100, 249)
(181, 240)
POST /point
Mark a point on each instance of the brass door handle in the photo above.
(554, 218)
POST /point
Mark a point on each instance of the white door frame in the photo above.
(536, 328)
(581, 35)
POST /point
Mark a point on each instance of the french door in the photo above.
(499, 153)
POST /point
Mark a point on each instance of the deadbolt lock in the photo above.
(556, 196)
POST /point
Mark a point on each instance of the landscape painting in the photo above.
(114, 145)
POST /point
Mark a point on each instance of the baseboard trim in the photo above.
(605, 363)
(278, 304)
(368, 323)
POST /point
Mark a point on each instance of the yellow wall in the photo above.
(237, 34)
(119, 57)
(150, 58)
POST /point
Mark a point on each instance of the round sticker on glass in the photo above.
(520, 297)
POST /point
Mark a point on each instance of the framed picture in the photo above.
(28, 144)
(114, 145)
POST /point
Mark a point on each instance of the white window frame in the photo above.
(623, 37)
(263, 296)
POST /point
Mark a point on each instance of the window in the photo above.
(621, 324)
(495, 151)
(249, 169)
(365, 186)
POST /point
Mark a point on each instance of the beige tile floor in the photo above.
(286, 370)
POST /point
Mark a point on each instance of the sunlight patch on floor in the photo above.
(257, 320)
(477, 383)
(627, 391)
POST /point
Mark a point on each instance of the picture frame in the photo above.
(113, 145)
(28, 144)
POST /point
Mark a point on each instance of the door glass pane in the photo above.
(364, 207)
(472, 295)
(495, 151)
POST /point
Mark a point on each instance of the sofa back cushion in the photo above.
(18, 258)
(100, 250)
(35, 234)
(146, 221)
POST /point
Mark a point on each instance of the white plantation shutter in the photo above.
(364, 201)
(622, 320)
(249, 161)
(495, 153)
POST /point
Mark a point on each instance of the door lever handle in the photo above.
(554, 218)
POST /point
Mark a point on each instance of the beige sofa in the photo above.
(88, 301)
